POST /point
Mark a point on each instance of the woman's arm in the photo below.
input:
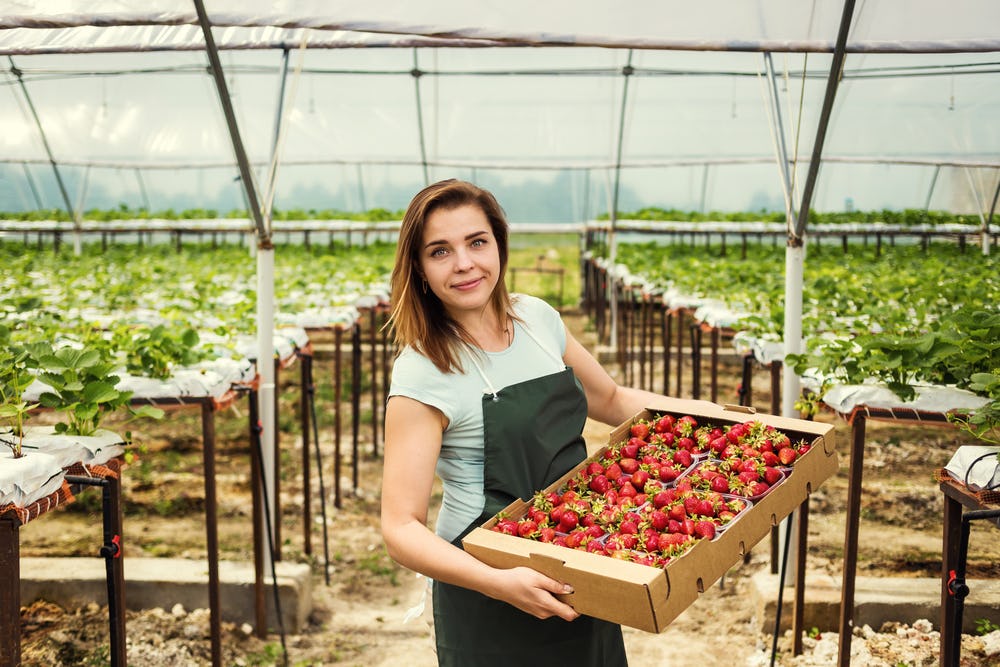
(607, 401)
(412, 445)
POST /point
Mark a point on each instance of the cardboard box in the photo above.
(649, 598)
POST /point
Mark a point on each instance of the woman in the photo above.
(491, 393)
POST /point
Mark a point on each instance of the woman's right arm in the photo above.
(412, 444)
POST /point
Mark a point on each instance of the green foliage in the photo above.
(82, 385)
(156, 351)
(14, 379)
(985, 626)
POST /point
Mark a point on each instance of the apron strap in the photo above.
(548, 350)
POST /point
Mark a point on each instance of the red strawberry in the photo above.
(658, 520)
(719, 484)
(626, 490)
(683, 458)
(546, 534)
(668, 473)
(628, 465)
(769, 458)
(685, 444)
(613, 472)
(639, 479)
(677, 512)
(664, 424)
(527, 528)
(706, 508)
(758, 489)
(506, 526)
(663, 498)
(787, 455)
(771, 475)
(595, 468)
(640, 430)
(704, 530)
(599, 484)
(568, 521)
(631, 448)
(628, 527)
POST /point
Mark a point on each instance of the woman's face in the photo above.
(460, 258)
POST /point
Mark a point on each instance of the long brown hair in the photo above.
(418, 317)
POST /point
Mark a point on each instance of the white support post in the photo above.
(265, 369)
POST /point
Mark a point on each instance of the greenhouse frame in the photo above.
(569, 112)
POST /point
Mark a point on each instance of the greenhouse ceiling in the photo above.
(354, 105)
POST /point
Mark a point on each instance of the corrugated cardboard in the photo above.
(649, 598)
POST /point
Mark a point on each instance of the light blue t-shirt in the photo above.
(459, 397)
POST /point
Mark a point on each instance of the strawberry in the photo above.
(568, 521)
(758, 489)
(667, 473)
(595, 547)
(677, 512)
(613, 471)
(683, 458)
(506, 526)
(639, 479)
(787, 455)
(705, 508)
(769, 458)
(600, 484)
(628, 527)
(772, 475)
(704, 530)
(658, 520)
(527, 528)
(663, 498)
(626, 490)
(595, 468)
(628, 465)
(630, 450)
(685, 444)
(640, 430)
(719, 484)
(664, 424)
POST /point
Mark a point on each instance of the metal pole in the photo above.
(930, 190)
(627, 72)
(48, 149)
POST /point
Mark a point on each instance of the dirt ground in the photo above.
(359, 619)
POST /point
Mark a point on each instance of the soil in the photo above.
(359, 619)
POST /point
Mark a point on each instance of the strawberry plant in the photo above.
(14, 379)
(81, 386)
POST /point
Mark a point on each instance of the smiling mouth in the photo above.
(468, 284)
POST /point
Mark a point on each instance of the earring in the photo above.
(423, 285)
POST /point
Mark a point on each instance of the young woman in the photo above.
(490, 392)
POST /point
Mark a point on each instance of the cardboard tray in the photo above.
(649, 598)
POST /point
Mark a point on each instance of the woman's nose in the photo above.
(463, 260)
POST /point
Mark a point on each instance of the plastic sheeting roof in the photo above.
(880, 26)
(916, 90)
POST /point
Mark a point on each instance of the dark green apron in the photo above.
(532, 438)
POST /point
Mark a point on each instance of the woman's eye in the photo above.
(477, 243)
(437, 252)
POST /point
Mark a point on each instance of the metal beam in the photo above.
(795, 237)
(416, 74)
(74, 216)
(246, 174)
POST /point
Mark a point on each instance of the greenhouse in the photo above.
(786, 209)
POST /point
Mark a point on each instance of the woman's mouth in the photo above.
(468, 284)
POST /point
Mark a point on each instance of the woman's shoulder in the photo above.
(527, 306)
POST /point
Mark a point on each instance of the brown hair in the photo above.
(418, 317)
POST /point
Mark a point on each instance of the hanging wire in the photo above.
(416, 73)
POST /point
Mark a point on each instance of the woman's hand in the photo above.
(533, 593)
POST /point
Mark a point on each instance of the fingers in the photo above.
(540, 592)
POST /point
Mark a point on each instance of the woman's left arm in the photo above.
(607, 401)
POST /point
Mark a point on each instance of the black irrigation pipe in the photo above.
(311, 392)
(111, 550)
(258, 444)
(781, 590)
